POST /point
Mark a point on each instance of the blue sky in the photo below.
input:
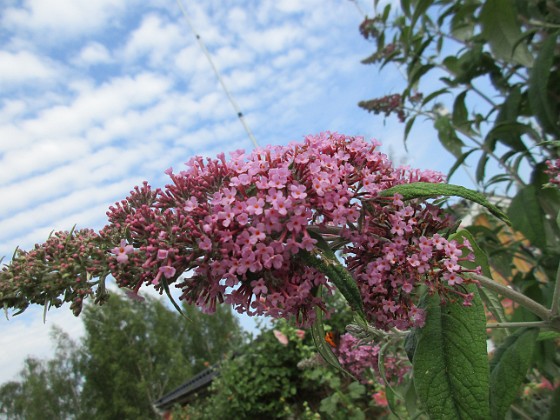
(97, 96)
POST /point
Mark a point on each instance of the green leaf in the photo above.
(408, 127)
(170, 296)
(527, 216)
(318, 334)
(508, 369)
(405, 6)
(389, 390)
(461, 114)
(538, 92)
(410, 398)
(502, 31)
(447, 136)
(459, 162)
(326, 262)
(555, 405)
(450, 361)
(481, 167)
(548, 335)
(430, 190)
(489, 297)
(462, 22)
(419, 10)
(509, 133)
(415, 73)
(434, 95)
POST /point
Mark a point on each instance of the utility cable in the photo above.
(217, 73)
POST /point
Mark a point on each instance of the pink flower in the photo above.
(380, 399)
(281, 337)
(298, 191)
(191, 204)
(168, 271)
(300, 334)
(255, 205)
(122, 251)
(205, 244)
(132, 295)
(452, 278)
(259, 287)
(162, 254)
(257, 233)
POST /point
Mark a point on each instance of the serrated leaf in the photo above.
(430, 190)
(450, 362)
(538, 92)
(508, 369)
(502, 31)
(527, 216)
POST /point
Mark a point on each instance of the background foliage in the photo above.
(132, 354)
(485, 74)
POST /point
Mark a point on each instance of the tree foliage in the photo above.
(132, 354)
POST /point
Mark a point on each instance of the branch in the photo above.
(539, 324)
(554, 308)
(517, 297)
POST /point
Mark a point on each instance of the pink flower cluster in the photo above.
(232, 231)
(362, 361)
(236, 228)
(65, 268)
(553, 171)
(395, 249)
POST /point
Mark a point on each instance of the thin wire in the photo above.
(360, 10)
(217, 73)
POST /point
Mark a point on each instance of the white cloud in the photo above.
(62, 18)
(290, 58)
(24, 67)
(94, 53)
(24, 161)
(92, 106)
(154, 38)
(290, 6)
(274, 39)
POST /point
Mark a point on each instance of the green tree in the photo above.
(135, 352)
(46, 389)
(132, 354)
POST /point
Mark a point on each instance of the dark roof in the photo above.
(184, 392)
